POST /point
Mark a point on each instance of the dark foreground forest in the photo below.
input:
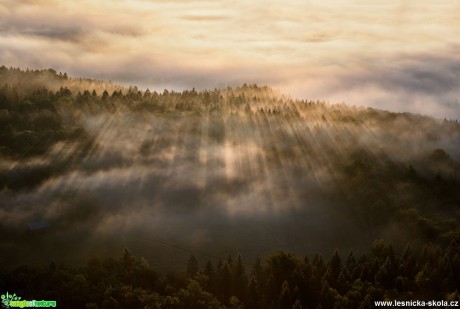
(89, 167)
(282, 280)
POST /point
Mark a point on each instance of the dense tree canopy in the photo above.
(283, 281)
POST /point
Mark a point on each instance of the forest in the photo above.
(282, 280)
(338, 205)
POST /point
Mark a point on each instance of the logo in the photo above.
(14, 301)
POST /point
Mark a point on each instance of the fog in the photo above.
(150, 180)
(244, 170)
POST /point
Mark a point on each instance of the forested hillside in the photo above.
(89, 167)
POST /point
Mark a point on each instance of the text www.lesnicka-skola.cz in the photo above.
(416, 303)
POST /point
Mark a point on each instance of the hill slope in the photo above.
(93, 167)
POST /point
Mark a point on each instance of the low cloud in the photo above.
(417, 83)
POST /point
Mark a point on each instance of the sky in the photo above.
(397, 55)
